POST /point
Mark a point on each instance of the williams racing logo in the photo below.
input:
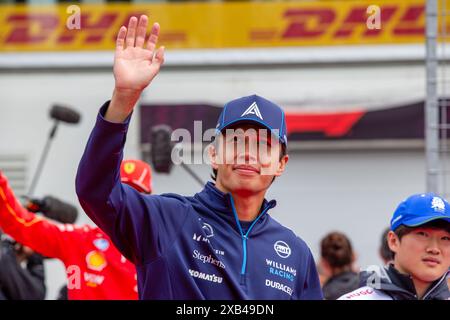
(281, 270)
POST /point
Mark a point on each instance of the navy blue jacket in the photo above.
(190, 247)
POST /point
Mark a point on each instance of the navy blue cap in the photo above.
(419, 209)
(254, 109)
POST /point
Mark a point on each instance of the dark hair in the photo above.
(385, 251)
(283, 152)
(337, 250)
(439, 224)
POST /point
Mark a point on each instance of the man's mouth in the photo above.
(432, 262)
(246, 169)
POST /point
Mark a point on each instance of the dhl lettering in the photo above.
(31, 28)
(277, 24)
(412, 22)
(308, 23)
(356, 21)
(317, 22)
(93, 31)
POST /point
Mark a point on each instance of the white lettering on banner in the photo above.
(205, 276)
(208, 259)
(279, 286)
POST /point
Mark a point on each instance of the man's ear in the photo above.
(212, 154)
(282, 165)
(393, 241)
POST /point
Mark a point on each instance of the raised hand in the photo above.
(136, 63)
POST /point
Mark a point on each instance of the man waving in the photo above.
(220, 243)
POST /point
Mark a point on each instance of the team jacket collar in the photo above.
(222, 203)
(437, 290)
(401, 286)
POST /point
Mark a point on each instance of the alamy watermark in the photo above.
(373, 22)
(74, 20)
(258, 147)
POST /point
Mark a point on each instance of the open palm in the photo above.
(135, 62)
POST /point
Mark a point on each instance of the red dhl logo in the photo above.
(329, 24)
(42, 28)
(410, 21)
(299, 25)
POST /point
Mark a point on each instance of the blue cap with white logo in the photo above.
(254, 109)
(419, 209)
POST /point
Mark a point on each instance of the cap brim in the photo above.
(261, 124)
(415, 222)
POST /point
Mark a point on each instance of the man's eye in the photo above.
(421, 233)
(446, 238)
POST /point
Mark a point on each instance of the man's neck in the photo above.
(248, 207)
(247, 204)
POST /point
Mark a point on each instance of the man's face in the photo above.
(247, 159)
(423, 253)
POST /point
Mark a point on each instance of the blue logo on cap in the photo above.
(419, 209)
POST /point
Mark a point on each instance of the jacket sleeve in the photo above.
(17, 283)
(310, 286)
(38, 233)
(141, 226)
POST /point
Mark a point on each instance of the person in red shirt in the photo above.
(95, 268)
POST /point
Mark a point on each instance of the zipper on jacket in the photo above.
(434, 288)
(244, 237)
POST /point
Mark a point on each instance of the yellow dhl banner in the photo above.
(213, 25)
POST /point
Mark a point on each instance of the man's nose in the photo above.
(248, 154)
(433, 246)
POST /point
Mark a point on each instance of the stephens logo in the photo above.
(282, 249)
(208, 259)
